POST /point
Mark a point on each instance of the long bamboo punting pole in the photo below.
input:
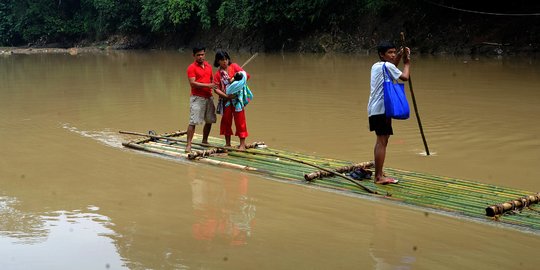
(256, 153)
(499, 209)
(414, 104)
(249, 60)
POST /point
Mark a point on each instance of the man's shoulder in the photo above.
(192, 66)
(378, 64)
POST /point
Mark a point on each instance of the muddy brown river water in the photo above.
(71, 197)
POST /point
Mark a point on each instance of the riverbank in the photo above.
(354, 27)
(47, 50)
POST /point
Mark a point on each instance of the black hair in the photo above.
(198, 48)
(238, 76)
(220, 55)
(384, 46)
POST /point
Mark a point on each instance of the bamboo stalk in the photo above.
(176, 154)
(517, 204)
(451, 187)
(472, 186)
(208, 152)
(249, 60)
(414, 104)
(174, 134)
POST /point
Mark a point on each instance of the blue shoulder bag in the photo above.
(395, 101)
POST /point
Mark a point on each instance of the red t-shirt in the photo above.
(202, 75)
(231, 70)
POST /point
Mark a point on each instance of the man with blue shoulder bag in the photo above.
(379, 121)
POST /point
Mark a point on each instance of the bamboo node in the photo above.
(513, 206)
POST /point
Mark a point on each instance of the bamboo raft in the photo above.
(470, 199)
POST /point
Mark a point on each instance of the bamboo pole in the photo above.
(174, 134)
(256, 153)
(249, 60)
(176, 154)
(414, 104)
(207, 152)
(517, 204)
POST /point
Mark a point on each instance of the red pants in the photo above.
(239, 121)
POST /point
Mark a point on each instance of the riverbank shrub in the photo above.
(312, 25)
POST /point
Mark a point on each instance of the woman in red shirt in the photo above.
(223, 78)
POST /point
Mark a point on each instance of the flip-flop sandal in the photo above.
(388, 181)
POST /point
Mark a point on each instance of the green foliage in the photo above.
(292, 16)
(167, 15)
(6, 24)
(235, 13)
(36, 19)
(46, 20)
(105, 17)
(155, 14)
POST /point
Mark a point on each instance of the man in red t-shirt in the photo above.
(201, 102)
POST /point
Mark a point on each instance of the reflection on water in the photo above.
(385, 248)
(19, 226)
(223, 210)
(55, 240)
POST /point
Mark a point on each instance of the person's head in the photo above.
(238, 76)
(222, 59)
(386, 50)
(199, 53)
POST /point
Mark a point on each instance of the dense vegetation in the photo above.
(317, 25)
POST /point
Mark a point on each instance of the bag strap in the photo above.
(385, 72)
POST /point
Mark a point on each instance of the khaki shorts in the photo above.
(201, 110)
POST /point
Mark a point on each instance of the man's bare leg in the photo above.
(206, 132)
(380, 156)
(228, 140)
(190, 133)
(242, 145)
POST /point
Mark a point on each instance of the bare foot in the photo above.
(242, 147)
(188, 148)
(386, 181)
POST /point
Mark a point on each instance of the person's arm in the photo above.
(399, 54)
(220, 92)
(406, 65)
(195, 84)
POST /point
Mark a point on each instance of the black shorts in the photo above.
(381, 124)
